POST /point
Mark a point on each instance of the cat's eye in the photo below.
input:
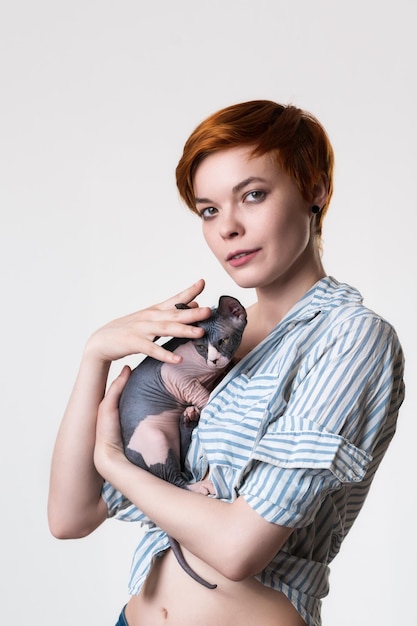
(224, 341)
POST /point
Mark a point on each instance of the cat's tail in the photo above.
(176, 548)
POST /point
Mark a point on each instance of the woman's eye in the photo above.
(208, 212)
(255, 196)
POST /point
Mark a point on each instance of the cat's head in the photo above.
(223, 332)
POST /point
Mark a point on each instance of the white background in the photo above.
(97, 99)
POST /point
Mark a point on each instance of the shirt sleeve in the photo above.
(341, 411)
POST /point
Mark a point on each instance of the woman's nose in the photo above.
(231, 226)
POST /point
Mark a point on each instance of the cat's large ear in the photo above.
(231, 307)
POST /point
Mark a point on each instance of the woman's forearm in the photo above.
(75, 507)
(230, 537)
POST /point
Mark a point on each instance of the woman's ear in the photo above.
(320, 191)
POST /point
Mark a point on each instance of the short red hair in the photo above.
(294, 136)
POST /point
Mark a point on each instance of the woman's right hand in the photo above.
(136, 333)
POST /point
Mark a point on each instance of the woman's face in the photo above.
(255, 220)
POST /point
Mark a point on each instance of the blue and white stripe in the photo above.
(298, 428)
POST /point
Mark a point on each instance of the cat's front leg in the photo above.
(205, 487)
(191, 414)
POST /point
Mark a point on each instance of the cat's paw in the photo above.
(205, 487)
(191, 414)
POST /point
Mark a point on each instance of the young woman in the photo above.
(292, 436)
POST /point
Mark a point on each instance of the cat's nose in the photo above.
(214, 361)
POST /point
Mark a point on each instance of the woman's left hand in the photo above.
(109, 445)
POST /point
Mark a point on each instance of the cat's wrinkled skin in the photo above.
(161, 403)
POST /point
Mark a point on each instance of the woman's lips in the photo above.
(241, 257)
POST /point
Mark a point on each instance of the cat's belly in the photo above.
(171, 598)
(155, 436)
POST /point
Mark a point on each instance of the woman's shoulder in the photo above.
(341, 302)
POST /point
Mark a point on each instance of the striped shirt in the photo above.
(297, 428)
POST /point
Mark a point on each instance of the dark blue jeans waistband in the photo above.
(122, 619)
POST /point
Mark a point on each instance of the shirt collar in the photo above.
(325, 295)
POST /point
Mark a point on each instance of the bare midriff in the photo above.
(171, 598)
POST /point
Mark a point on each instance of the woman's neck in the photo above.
(272, 305)
(274, 301)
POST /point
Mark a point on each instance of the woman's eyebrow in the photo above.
(202, 200)
(236, 188)
(248, 181)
